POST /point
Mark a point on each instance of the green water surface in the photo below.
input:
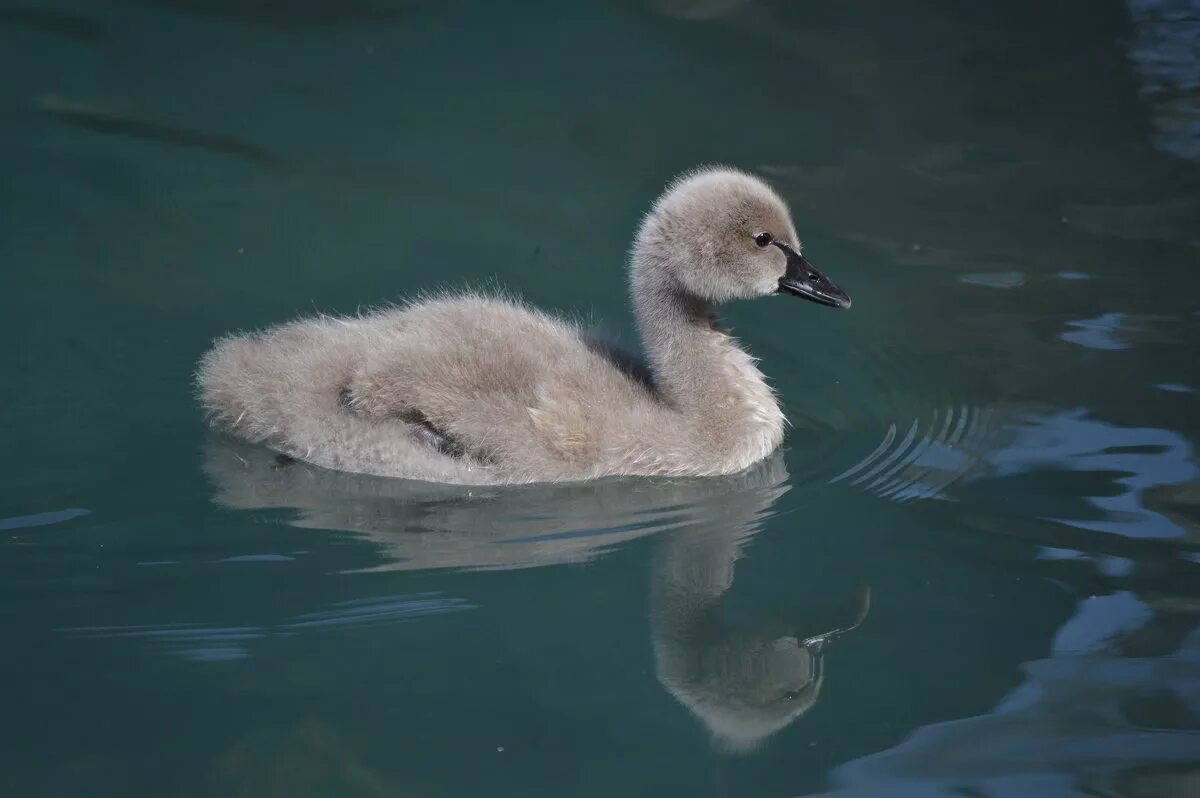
(974, 570)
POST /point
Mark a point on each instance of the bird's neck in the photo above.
(700, 370)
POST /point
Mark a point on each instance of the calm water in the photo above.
(985, 526)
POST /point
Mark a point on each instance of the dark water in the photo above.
(974, 570)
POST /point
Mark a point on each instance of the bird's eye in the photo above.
(762, 239)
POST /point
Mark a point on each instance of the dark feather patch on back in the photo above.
(631, 365)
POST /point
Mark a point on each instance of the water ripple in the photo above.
(41, 519)
(388, 609)
(204, 643)
(1103, 332)
(928, 458)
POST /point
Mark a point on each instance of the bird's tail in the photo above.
(286, 387)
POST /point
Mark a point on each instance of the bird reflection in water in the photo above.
(743, 683)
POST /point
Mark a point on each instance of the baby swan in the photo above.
(480, 389)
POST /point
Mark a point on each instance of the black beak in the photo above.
(803, 279)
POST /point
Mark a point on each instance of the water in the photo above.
(974, 570)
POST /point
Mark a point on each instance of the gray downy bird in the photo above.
(479, 388)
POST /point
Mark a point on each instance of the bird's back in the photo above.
(473, 381)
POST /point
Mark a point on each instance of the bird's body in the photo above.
(477, 388)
